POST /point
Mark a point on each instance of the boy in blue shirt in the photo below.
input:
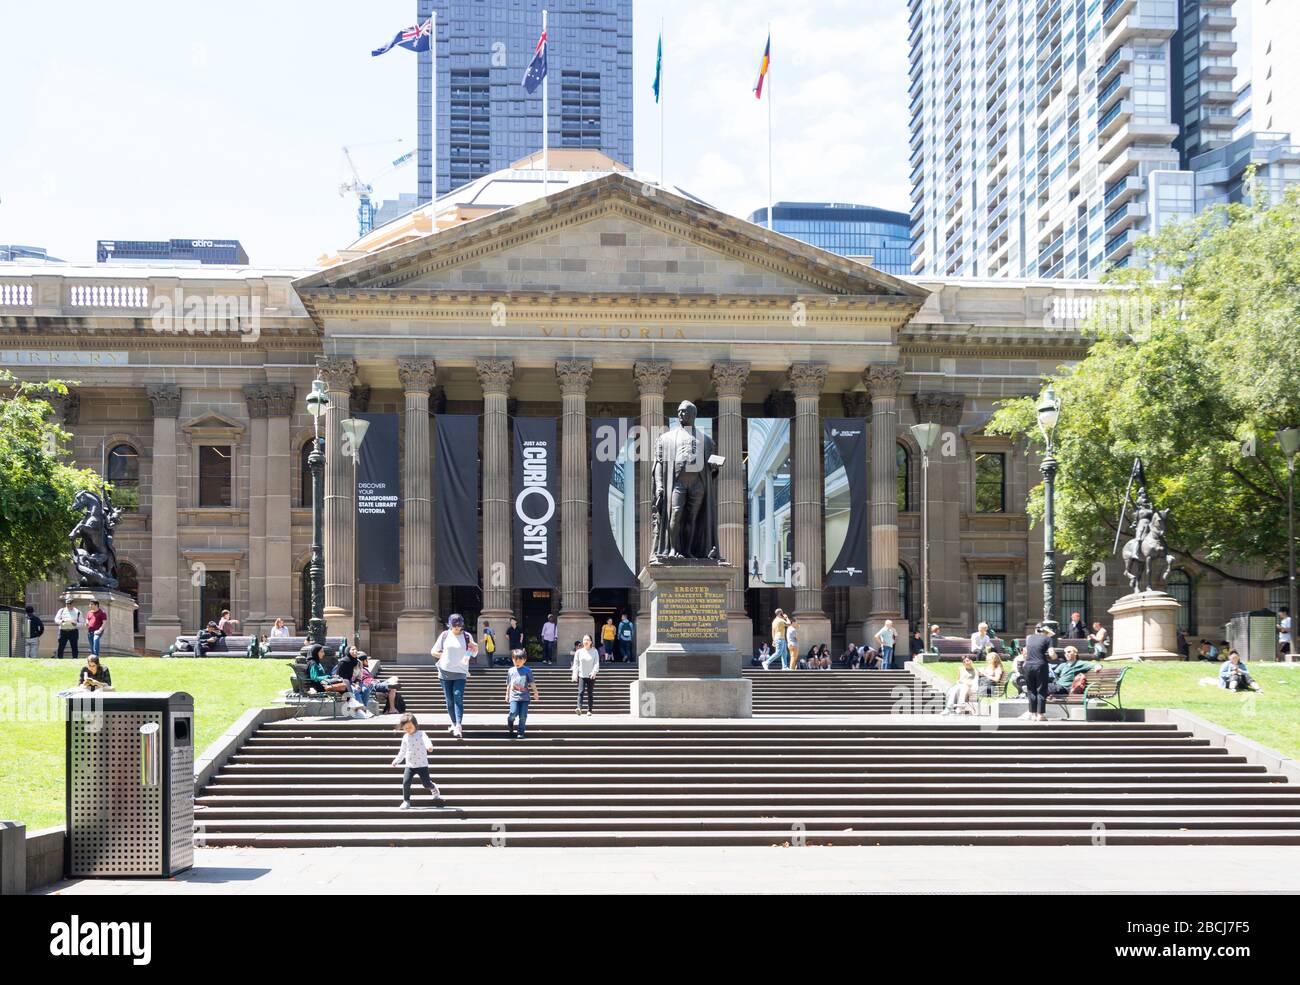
(520, 689)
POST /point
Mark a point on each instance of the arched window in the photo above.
(128, 581)
(304, 491)
(124, 466)
(905, 594)
(1179, 585)
(903, 461)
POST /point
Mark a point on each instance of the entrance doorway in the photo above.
(537, 602)
(611, 603)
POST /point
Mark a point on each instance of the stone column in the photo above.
(883, 383)
(947, 573)
(340, 515)
(417, 623)
(164, 623)
(496, 375)
(807, 380)
(729, 382)
(575, 618)
(254, 620)
(858, 404)
(651, 380)
(279, 520)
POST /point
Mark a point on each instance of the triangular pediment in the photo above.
(613, 235)
(211, 424)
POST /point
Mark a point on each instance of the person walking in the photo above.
(69, 620)
(607, 634)
(626, 632)
(792, 643)
(414, 755)
(515, 638)
(95, 620)
(520, 689)
(780, 623)
(1037, 672)
(887, 636)
(586, 665)
(35, 630)
(452, 651)
(550, 632)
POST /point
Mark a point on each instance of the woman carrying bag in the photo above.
(453, 651)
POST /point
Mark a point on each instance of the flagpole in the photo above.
(769, 125)
(663, 181)
(433, 106)
(546, 154)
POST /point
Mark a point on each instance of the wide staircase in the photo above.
(801, 692)
(587, 782)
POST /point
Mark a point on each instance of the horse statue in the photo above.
(92, 540)
(1149, 529)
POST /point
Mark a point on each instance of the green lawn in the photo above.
(1271, 717)
(31, 722)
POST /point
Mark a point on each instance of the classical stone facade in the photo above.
(610, 298)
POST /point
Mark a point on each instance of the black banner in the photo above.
(455, 500)
(533, 507)
(613, 502)
(379, 500)
(845, 500)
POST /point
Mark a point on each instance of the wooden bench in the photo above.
(1102, 686)
(957, 647)
(304, 692)
(238, 646)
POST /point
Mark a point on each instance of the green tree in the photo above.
(1195, 366)
(37, 486)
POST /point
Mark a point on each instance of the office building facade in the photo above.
(203, 251)
(484, 119)
(1037, 127)
(849, 230)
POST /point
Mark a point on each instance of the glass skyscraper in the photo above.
(1037, 127)
(485, 120)
(849, 230)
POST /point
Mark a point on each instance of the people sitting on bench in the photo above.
(1234, 676)
(279, 629)
(321, 679)
(365, 679)
(209, 636)
(962, 694)
(259, 647)
(992, 674)
(1063, 679)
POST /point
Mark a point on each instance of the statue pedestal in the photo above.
(690, 668)
(119, 630)
(1146, 627)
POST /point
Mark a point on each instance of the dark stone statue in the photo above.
(92, 540)
(683, 511)
(1150, 527)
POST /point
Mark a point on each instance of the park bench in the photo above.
(304, 693)
(237, 646)
(1102, 687)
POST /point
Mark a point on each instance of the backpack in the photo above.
(36, 628)
(490, 642)
(1078, 684)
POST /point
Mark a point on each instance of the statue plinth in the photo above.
(690, 668)
(1146, 627)
(119, 629)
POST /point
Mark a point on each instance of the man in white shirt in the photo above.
(1284, 633)
(886, 636)
(980, 640)
(69, 620)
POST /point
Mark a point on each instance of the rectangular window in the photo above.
(214, 475)
(991, 602)
(214, 595)
(990, 482)
(1072, 596)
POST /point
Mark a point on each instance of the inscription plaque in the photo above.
(691, 614)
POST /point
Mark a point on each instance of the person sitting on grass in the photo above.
(94, 676)
(1207, 651)
(962, 695)
(1068, 669)
(1234, 676)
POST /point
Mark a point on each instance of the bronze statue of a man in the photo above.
(684, 505)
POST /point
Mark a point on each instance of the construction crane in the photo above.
(363, 189)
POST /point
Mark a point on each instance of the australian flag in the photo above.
(416, 38)
(537, 67)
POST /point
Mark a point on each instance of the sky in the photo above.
(161, 119)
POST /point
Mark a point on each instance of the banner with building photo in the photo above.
(614, 502)
(768, 489)
(844, 500)
(534, 513)
(379, 503)
(455, 500)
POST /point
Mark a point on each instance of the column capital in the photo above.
(729, 378)
(279, 399)
(166, 400)
(416, 374)
(807, 379)
(255, 397)
(338, 374)
(574, 375)
(495, 375)
(942, 407)
(652, 376)
(856, 403)
(883, 379)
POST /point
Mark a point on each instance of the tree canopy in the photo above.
(37, 486)
(1194, 366)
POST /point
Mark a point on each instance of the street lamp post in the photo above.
(1049, 411)
(317, 404)
(925, 435)
(1289, 439)
(354, 432)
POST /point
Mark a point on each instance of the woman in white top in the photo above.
(453, 651)
(586, 665)
(962, 694)
(279, 629)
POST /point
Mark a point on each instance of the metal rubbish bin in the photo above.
(130, 783)
(1253, 635)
